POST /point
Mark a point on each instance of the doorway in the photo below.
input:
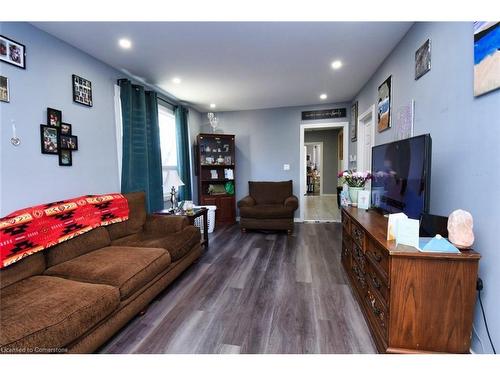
(366, 139)
(314, 168)
(322, 151)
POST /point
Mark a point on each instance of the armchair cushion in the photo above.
(248, 201)
(268, 192)
(267, 211)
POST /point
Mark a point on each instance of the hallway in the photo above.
(321, 208)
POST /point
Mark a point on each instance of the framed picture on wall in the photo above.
(65, 158)
(423, 59)
(65, 128)
(68, 142)
(82, 90)
(384, 105)
(12, 52)
(4, 89)
(54, 117)
(486, 57)
(354, 118)
(48, 139)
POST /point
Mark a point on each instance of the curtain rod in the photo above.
(175, 105)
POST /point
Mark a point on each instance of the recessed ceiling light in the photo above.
(337, 64)
(125, 43)
(212, 105)
(176, 80)
(323, 96)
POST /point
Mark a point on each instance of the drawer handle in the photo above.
(376, 283)
(377, 257)
(375, 309)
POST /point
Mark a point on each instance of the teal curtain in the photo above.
(141, 167)
(183, 162)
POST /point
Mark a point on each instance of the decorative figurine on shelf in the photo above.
(172, 180)
(212, 119)
(460, 232)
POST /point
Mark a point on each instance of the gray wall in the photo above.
(27, 177)
(265, 140)
(330, 157)
(465, 133)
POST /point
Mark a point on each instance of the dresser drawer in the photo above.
(346, 222)
(358, 234)
(378, 313)
(379, 258)
(345, 255)
(377, 283)
(359, 256)
(359, 278)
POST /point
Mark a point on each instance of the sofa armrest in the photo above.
(165, 223)
(292, 202)
(248, 201)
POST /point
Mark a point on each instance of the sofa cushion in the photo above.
(267, 192)
(50, 312)
(82, 244)
(26, 267)
(137, 217)
(127, 268)
(177, 244)
(267, 211)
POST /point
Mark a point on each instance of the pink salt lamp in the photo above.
(460, 232)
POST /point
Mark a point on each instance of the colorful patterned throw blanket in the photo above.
(30, 230)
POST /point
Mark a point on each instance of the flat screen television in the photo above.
(402, 176)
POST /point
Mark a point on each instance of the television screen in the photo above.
(401, 176)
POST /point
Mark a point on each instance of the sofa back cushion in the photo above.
(267, 192)
(82, 244)
(136, 217)
(26, 267)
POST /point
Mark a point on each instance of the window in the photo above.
(168, 143)
(168, 138)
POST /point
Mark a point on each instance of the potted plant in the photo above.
(355, 181)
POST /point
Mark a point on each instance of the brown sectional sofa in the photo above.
(75, 296)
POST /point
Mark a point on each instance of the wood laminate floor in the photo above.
(255, 293)
(322, 208)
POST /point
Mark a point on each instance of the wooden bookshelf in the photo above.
(215, 154)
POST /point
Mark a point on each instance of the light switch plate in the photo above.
(286, 167)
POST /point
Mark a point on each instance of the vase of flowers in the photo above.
(355, 181)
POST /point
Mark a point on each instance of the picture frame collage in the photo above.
(56, 138)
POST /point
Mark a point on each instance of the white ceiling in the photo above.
(241, 65)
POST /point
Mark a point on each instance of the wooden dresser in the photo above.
(413, 302)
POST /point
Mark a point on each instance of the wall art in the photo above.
(12, 52)
(384, 105)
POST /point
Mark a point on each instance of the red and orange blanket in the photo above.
(30, 230)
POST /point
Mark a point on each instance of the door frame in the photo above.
(318, 125)
(361, 136)
(321, 163)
